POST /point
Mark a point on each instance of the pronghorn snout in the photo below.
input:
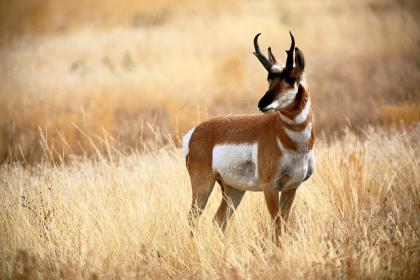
(265, 102)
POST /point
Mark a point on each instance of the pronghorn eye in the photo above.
(290, 80)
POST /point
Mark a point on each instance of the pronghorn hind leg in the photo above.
(201, 190)
(230, 201)
(286, 201)
(272, 200)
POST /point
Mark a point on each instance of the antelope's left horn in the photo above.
(265, 62)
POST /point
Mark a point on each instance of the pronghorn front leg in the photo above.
(286, 201)
(272, 200)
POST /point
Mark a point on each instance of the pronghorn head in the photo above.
(283, 80)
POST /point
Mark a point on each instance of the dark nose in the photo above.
(266, 100)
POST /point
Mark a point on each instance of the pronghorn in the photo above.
(270, 152)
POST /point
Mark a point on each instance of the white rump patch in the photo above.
(237, 165)
(186, 141)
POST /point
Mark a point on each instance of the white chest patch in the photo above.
(301, 138)
(295, 167)
(237, 165)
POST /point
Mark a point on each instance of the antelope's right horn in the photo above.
(289, 61)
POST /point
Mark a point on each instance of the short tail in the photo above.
(186, 143)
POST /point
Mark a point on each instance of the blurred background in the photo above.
(78, 77)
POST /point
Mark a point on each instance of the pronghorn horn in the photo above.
(289, 61)
(271, 57)
(265, 62)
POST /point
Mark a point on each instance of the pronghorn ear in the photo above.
(299, 61)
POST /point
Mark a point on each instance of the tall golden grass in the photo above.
(71, 69)
(126, 217)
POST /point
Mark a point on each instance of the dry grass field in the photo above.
(96, 95)
(358, 217)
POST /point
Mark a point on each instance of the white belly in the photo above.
(237, 165)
